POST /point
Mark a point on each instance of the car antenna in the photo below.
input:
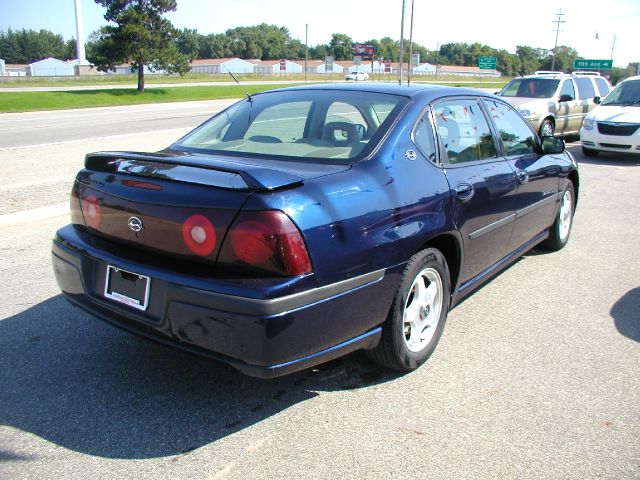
(249, 97)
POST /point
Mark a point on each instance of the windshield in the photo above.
(627, 93)
(306, 125)
(531, 88)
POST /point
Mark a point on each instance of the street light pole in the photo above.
(80, 34)
(401, 44)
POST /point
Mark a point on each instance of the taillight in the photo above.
(199, 235)
(91, 211)
(268, 241)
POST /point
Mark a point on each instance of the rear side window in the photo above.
(517, 137)
(567, 89)
(423, 138)
(603, 86)
(585, 87)
(464, 131)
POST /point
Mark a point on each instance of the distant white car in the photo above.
(356, 76)
(614, 125)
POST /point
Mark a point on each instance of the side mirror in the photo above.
(565, 98)
(597, 100)
(552, 145)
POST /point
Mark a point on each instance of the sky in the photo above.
(590, 26)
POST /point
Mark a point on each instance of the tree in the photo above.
(141, 36)
(340, 46)
(27, 46)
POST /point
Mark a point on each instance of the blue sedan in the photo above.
(301, 224)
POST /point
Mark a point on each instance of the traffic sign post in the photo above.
(592, 64)
(487, 63)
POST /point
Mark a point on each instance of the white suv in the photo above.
(555, 102)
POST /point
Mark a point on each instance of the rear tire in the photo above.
(589, 152)
(418, 313)
(561, 228)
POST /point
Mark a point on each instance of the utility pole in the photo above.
(613, 46)
(306, 49)
(557, 22)
(401, 44)
(410, 46)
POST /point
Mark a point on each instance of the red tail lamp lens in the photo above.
(91, 211)
(199, 235)
(253, 242)
(270, 241)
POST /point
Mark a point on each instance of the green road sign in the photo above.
(593, 64)
(487, 63)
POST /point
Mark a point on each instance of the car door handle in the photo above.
(464, 192)
(522, 176)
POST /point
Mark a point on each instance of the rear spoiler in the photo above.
(184, 167)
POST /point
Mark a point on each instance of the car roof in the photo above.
(422, 91)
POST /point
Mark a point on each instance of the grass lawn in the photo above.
(32, 101)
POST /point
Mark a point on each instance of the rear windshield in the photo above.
(627, 93)
(531, 88)
(307, 125)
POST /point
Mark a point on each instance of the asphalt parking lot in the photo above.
(537, 374)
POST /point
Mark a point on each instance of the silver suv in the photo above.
(556, 102)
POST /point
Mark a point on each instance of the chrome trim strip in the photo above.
(492, 226)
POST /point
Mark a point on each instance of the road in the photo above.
(537, 374)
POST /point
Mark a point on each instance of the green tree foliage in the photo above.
(27, 46)
(564, 59)
(140, 36)
(340, 46)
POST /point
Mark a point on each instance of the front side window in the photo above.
(531, 88)
(517, 137)
(627, 93)
(327, 126)
(585, 88)
(464, 131)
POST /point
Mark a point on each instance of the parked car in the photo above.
(357, 76)
(302, 224)
(554, 102)
(614, 125)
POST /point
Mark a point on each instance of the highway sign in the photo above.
(593, 64)
(487, 63)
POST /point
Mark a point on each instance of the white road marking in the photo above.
(33, 183)
(65, 142)
(34, 214)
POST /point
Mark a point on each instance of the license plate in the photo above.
(127, 287)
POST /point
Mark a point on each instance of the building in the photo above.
(15, 70)
(467, 71)
(221, 65)
(272, 67)
(50, 67)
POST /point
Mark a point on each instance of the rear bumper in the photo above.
(248, 328)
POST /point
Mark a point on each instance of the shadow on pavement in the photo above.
(626, 314)
(81, 384)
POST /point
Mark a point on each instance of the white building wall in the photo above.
(50, 67)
